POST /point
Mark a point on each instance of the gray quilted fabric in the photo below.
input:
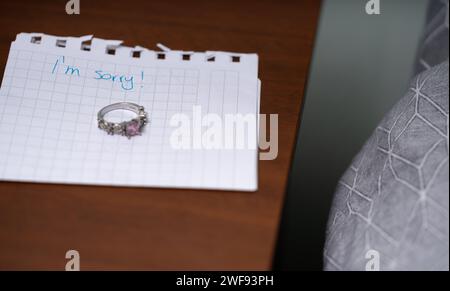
(394, 198)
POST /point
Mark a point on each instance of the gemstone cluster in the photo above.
(126, 128)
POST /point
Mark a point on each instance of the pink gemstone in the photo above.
(132, 128)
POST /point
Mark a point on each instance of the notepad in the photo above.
(53, 87)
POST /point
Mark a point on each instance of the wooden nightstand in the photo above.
(156, 229)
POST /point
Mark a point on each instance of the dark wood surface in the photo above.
(160, 229)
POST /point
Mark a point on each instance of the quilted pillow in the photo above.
(393, 201)
(391, 207)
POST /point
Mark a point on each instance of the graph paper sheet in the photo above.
(53, 88)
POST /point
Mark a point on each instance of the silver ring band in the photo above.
(127, 128)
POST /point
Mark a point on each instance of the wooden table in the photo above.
(141, 228)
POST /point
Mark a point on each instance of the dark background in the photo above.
(361, 66)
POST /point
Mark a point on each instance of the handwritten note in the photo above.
(54, 86)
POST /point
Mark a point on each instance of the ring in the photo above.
(127, 128)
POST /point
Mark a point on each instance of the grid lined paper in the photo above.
(48, 115)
